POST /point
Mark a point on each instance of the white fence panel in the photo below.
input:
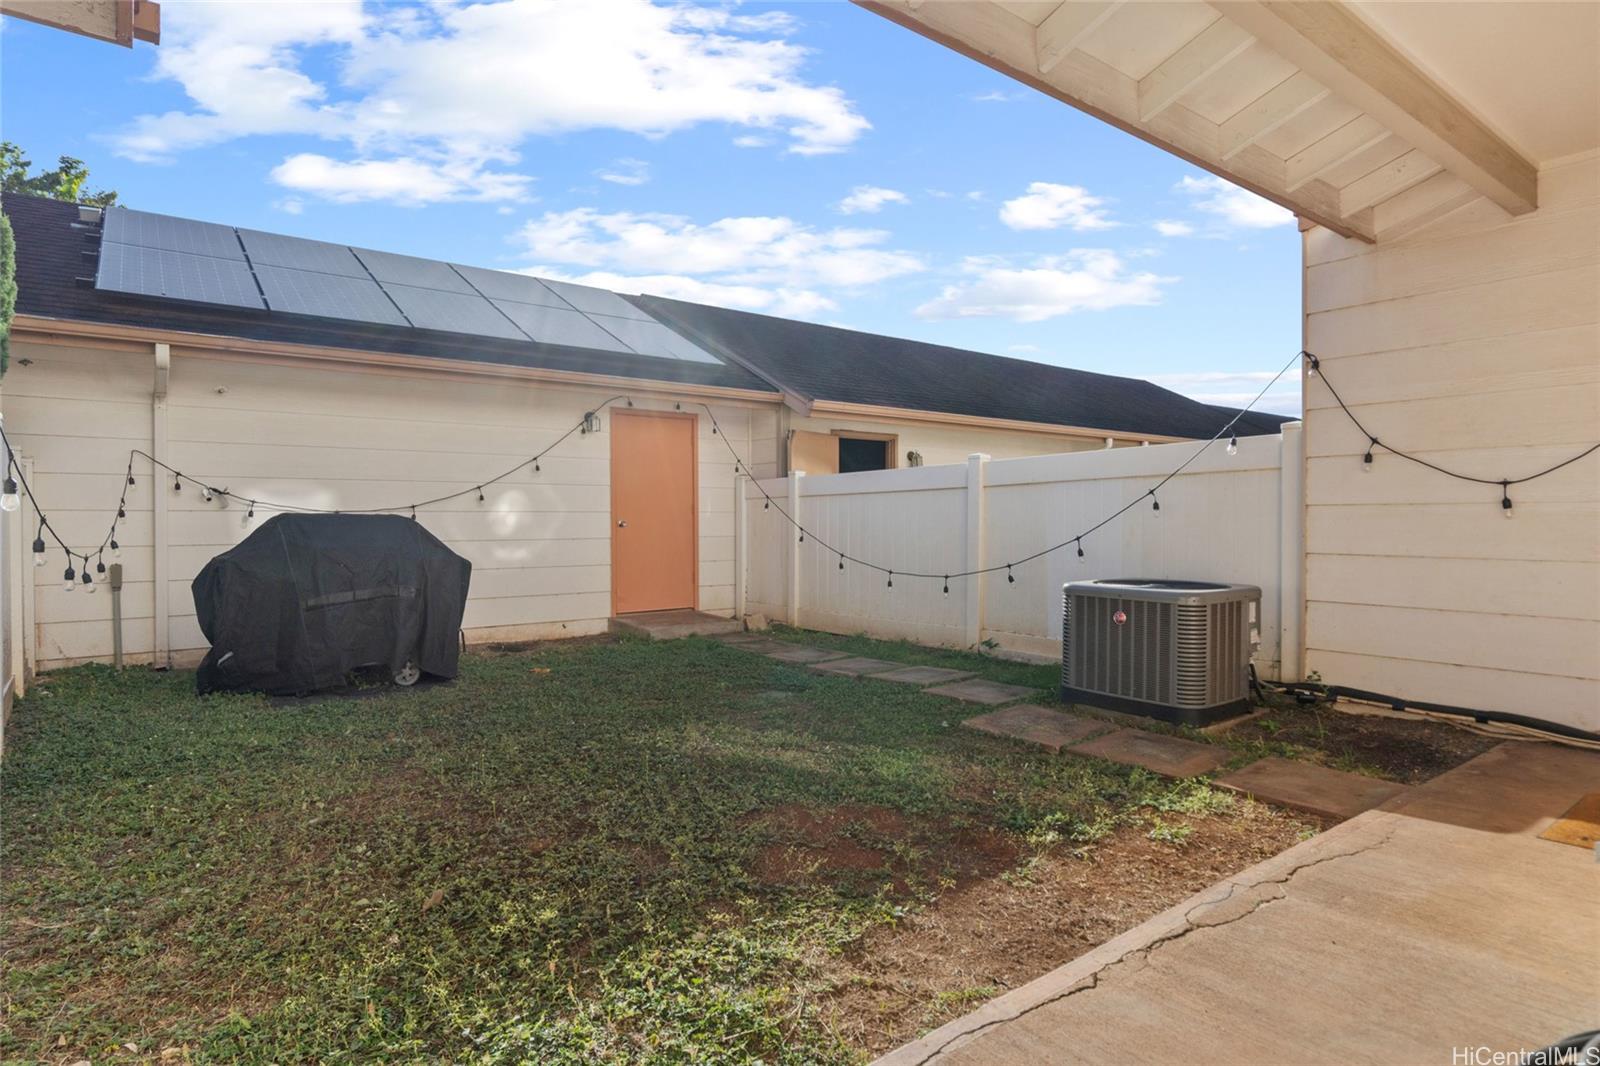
(1224, 518)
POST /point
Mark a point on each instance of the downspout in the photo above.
(161, 658)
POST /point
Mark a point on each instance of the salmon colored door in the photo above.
(654, 526)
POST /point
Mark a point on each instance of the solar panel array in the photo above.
(145, 254)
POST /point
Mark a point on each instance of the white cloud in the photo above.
(1085, 279)
(746, 250)
(791, 303)
(1235, 389)
(869, 199)
(751, 140)
(996, 96)
(625, 172)
(1233, 205)
(1168, 227)
(1050, 206)
(409, 182)
(469, 83)
(290, 205)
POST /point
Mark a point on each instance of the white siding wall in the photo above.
(1474, 343)
(335, 438)
(944, 444)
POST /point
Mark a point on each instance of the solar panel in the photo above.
(297, 253)
(652, 338)
(504, 285)
(556, 325)
(176, 275)
(145, 229)
(409, 270)
(452, 311)
(596, 301)
(307, 292)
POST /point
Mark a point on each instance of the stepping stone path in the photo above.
(1308, 787)
(799, 653)
(1157, 752)
(923, 675)
(979, 690)
(1051, 730)
(856, 667)
(763, 646)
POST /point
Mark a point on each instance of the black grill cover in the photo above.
(306, 599)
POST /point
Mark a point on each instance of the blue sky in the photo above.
(810, 160)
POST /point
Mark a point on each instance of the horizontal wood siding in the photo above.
(1474, 343)
(332, 438)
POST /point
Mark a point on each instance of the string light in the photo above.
(1011, 579)
(38, 546)
(890, 583)
(100, 563)
(1155, 504)
(841, 562)
(116, 549)
(9, 500)
(1233, 444)
(88, 582)
(177, 482)
(947, 585)
(69, 579)
(1373, 444)
(1079, 543)
(480, 493)
(205, 492)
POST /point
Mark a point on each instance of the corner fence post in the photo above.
(977, 586)
(1291, 553)
(741, 543)
(794, 547)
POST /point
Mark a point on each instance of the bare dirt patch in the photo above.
(997, 933)
(1398, 749)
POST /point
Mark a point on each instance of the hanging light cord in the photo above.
(254, 501)
(1226, 430)
(1374, 442)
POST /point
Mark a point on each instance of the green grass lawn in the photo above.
(589, 852)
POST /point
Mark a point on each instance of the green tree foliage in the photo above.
(66, 182)
(8, 289)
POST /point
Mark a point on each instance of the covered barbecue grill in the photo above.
(306, 600)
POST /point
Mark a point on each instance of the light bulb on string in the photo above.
(116, 549)
(1155, 504)
(88, 582)
(99, 563)
(480, 493)
(890, 583)
(177, 482)
(205, 493)
(1506, 507)
(69, 579)
(122, 512)
(9, 500)
(1366, 460)
(1233, 444)
(1011, 579)
(130, 479)
(802, 536)
(947, 586)
(1314, 363)
(841, 562)
(1079, 543)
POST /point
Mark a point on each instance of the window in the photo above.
(862, 453)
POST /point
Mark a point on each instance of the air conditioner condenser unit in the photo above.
(1174, 650)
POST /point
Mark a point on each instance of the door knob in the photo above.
(622, 523)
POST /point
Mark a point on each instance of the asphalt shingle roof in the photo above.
(848, 366)
(816, 362)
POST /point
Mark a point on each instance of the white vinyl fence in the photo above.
(1234, 518)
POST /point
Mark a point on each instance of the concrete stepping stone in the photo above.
(1156, 752)
(1308, 787)
(1051, 730)
(743, 638)
(801, 653)
(762, 647)
(980, 690)
(923, 675)
(856, 667)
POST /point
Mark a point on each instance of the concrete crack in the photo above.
(1092, 981)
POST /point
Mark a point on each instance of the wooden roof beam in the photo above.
(1067, 27)
(1210, 51)
(1327, 41)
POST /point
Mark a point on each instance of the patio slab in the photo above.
(670, 625)
(1051, 730)
(856, 667)
(981, 690)
(1157, 752)
(764, 646)
(924, 675)
(801, 653)
(1308, 787)
(1443, 906)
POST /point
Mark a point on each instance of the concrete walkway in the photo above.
(1437, 921)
